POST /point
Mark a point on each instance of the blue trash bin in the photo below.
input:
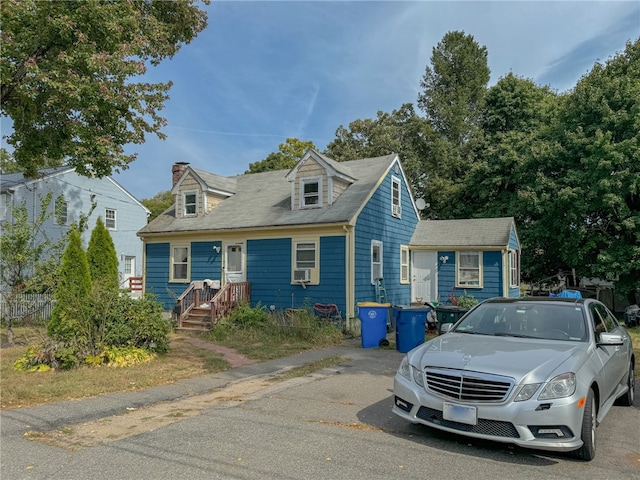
(410, 327)
(373, 317)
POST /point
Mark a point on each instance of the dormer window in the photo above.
(190, 203)
(311, 192)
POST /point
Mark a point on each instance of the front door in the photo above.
(424, 284)
(129, 269)
(234, 263)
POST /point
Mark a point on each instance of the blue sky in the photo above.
(263, 71)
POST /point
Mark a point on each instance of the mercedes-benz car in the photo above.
(538, 372)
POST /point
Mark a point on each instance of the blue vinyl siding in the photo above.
(375, 222)
(205, 261)
(269, 271)
(269, 265)
(157, 274)
(492, 279)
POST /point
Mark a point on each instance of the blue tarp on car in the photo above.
(567, 294)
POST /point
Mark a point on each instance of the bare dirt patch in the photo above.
(136, 421)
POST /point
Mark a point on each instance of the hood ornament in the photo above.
(466, 359)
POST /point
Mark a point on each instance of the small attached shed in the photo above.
(478, 257)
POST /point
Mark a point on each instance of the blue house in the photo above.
(323, 232)
(478, 257)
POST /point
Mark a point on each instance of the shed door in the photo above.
(424, 282)
(234, 263)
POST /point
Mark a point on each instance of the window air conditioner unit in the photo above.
(302, 275)
(396, 210)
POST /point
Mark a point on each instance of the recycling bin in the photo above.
(449, 314)
(410, 327)
(373, 317)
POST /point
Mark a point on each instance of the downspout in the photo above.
(349, 291)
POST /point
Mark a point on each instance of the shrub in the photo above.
(138, 323)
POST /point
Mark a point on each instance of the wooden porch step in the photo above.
(195, 329)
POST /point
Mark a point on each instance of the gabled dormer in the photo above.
(317, 181)
(197, 192)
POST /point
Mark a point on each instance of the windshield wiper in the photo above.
(509, 334)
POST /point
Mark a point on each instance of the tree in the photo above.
(102, 259)
(28, 259)
(454, 87)
(67, 71)
(510, 176)
(71, 315)
(7, 163)
(599, 194)
(401, 131)
(452, 98)
(158, 203)
(286, 157)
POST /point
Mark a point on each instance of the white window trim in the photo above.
(396, 206)
(184, 203)
(172, 263)
(404, 267)
(56, 216)
(115, 218)
(459, 283)
(514, 268)
(315, 270)
(303, 182)
(376, 243)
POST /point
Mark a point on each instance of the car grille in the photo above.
(492, 428)
(470, 386)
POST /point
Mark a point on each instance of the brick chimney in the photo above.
(177, 170)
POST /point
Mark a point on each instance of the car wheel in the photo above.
(588, 433)
(627, 398)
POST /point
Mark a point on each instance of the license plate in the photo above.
(459, 413)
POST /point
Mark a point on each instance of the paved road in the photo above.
(334, 424)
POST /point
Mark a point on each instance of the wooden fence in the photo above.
(26, 307)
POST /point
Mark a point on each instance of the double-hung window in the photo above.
(469, 269)
(514, 268)
(396, 206)
(376, 261)
(305, 261)
(310, 192)
(180, 263)
(110, 218)
(61, 212)
(190, 203)
(404, 264)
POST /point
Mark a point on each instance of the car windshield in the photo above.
(551, 321)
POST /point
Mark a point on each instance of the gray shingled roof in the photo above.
(10, 180)
(217, 182)
(481, 232)
(264, 200)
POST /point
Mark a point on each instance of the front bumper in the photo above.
(550, 425)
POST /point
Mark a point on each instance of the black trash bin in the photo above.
(449, 314)
(410, 327)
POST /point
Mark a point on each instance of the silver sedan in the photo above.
(538, 372)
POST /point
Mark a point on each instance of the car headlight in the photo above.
(527, 392)
(405, 369)
(417, 376)
(559, 387)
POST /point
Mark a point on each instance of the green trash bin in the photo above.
(449, 314)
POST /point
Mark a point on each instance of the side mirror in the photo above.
(609, 339)
(445, 327)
